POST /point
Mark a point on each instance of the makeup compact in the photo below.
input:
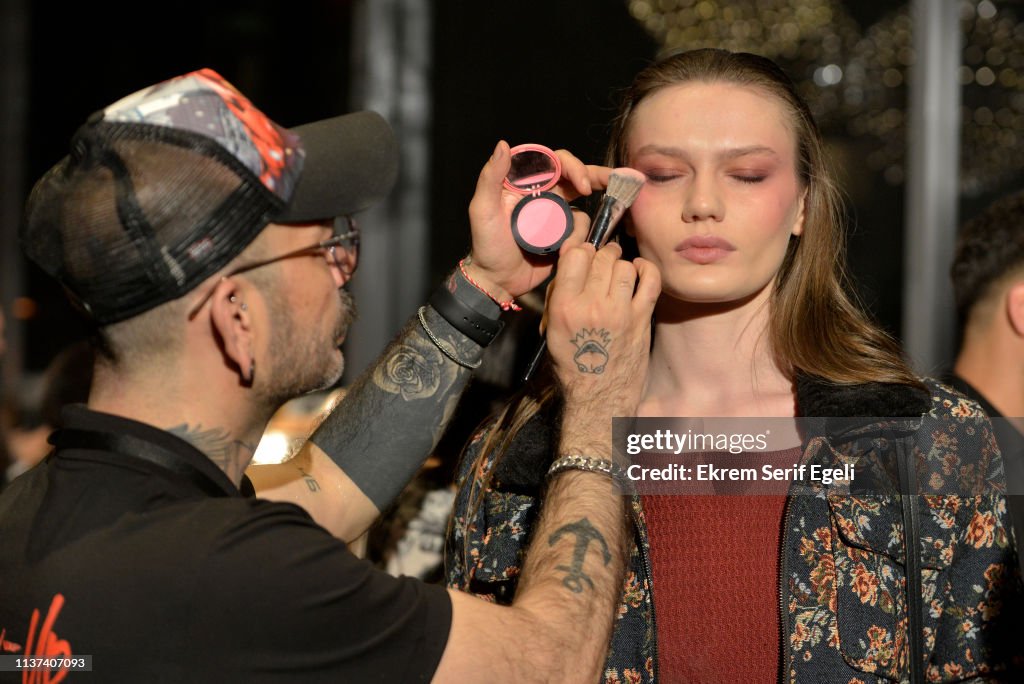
(542, 220)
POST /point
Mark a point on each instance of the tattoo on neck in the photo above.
(230, 455)
(591, 349)
(585, 533)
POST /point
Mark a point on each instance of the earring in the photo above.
(252, 371)
(243, 306)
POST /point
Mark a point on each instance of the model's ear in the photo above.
(1015, 308)
(798, 224)
(232, 320)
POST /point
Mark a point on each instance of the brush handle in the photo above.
(607, 217)
(542, 349)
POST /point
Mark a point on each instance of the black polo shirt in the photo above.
(162, 571)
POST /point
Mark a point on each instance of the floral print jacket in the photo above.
(841, 595)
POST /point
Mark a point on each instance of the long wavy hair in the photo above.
(816, 327)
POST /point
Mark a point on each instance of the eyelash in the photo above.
(660, 178)
(666, 178)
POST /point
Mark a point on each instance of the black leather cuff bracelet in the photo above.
(474, 325)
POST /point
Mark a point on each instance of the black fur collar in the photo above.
(818, 398)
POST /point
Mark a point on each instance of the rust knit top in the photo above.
(715, 567)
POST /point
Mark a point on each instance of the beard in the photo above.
(306, 360)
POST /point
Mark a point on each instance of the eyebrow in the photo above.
(727, 154)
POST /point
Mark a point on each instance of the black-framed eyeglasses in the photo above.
(341, 252)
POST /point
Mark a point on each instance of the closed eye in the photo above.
(749, 179)
(661, 177)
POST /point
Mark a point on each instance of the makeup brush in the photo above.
(623, 186)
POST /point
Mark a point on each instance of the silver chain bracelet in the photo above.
(445, 349)
(589, 464)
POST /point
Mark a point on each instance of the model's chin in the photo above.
(703, 292)
(713, 291)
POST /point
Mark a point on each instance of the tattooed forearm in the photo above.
(310, 481)
(230, 455)
(591, 349)
(394, 414)
(585, 533)
(564, 583)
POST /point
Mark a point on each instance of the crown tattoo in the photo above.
(591, 349)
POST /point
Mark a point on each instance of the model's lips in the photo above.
(704, 249)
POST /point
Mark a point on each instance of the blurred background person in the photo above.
(38, 413)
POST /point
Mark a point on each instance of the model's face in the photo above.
(310, 317)
(722, 197)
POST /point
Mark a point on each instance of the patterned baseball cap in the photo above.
(166, 186)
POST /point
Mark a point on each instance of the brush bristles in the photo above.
(624, 185)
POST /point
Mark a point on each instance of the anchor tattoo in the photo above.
(585, 533)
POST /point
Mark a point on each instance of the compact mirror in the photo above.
(542, 220)
(534, 168)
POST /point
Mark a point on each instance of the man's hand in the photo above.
(496, 263)
(599, 336)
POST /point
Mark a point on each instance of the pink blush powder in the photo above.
(541, 222)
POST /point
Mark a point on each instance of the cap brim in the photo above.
(351, 164)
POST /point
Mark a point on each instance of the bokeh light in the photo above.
(855, 78)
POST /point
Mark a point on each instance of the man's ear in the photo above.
(1015, 307)
(232, 321)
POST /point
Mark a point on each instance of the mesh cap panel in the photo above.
(166, 186)
(141, 219)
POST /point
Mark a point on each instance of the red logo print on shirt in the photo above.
(46, 645)
(8, 646)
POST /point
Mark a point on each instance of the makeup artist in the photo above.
(742, 217)
(209, 246)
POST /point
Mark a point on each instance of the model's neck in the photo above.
(715, 360)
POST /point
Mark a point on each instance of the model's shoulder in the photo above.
(949, 404)
(959, 442)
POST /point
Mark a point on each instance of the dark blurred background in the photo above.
(456, 76)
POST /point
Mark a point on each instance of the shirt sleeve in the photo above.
(280, 599)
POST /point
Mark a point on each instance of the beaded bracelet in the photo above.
(510, 305)
(589, 464)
